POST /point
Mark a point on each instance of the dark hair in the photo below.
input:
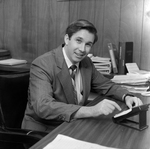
(79, 25)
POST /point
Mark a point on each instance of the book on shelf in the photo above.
(125, 56)
(113, 58)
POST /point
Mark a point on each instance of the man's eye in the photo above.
(78, 41)
(89, 45)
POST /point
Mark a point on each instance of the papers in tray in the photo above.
(133, 111)
(122, 113)
(65, 142)
(12, 61)
(134, 69)
(139, 124)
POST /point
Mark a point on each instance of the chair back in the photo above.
(2, 120)
(13, 99)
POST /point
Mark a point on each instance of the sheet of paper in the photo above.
(123, 113)
(131, 67)
(12, 61)
(65, 142)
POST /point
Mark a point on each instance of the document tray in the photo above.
(121, 118)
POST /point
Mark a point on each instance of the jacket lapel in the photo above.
(64, 76)
(85, 76)
(66, 82)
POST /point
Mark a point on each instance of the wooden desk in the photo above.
(103, 131)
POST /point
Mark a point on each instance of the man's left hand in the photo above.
(132, 101)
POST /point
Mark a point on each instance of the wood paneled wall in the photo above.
(29, 28)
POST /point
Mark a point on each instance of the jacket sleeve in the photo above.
(105, 87)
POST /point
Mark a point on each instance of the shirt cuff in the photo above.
(125, 95)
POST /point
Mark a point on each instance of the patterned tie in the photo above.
(72, 73)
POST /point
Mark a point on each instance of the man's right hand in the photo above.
(105, 107)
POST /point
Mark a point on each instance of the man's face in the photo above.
(79, 45)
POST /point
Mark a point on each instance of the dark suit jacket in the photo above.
(51, 96)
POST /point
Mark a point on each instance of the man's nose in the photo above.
(82, 47)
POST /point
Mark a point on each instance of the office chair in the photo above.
(13, 99)
(18, 135)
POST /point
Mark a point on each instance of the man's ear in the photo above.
(66, 39)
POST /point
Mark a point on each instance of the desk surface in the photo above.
(103, 131)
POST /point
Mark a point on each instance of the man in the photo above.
(55, 96)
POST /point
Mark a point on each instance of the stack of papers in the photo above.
(133, 83)
(136, 80)
(130, 79)
(4, 54)
(65, 142)
(12, 61)
(136, 89)
(102, 64)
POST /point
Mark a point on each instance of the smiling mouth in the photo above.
(79, 56)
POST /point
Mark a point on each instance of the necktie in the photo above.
(72, 73)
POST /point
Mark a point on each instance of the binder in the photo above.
(113, 59)
(125, 56)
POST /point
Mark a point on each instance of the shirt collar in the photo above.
(68, 62)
